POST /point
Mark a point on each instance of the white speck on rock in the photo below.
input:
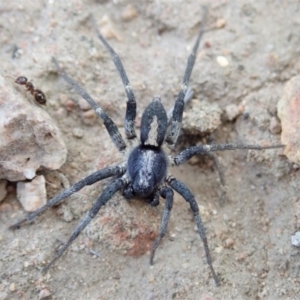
(222, 61)
(295, 239)
(29, 174)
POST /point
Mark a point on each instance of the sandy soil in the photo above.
(249, 236)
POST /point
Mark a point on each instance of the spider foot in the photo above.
(18, 224)
(47, 267)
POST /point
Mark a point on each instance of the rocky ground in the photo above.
(248, 53)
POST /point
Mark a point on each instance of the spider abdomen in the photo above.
(147, 167)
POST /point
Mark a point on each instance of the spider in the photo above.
(144, 171)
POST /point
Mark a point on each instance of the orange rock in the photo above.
(288, 109)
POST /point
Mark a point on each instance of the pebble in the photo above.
(232, 111)
(26, 264)
(63, 99)
(204, 212)
(222, 61)
(241, 256)
(219, 250)
(6, 207)
(229, 243)
(151, 279)
(12, 287)
(295, 239)
(44, 293)
(69, 105)
(107, 29)
(83, 105)
(77, 132)
(89, 117)
(201, 117)
(275, 126)
(66, 213)
(220, 23)
(129, 13)
(32, 195)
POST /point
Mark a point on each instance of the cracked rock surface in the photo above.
(30, 139)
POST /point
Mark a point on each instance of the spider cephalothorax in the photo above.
(144, 173)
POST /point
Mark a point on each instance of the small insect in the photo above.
(38, 95)
(144, 172)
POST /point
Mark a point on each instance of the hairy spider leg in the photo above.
(168, 194)
(131, 103)
(111, 127)
(175, 126)
(102, 200)
(187, 154)
(188, 97)
(184, 191)
(89, 180)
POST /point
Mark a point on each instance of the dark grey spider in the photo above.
(144, 173)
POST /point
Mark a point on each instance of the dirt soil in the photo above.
(249, 236)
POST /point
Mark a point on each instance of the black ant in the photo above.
(38, 95)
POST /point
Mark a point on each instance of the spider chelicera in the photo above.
(144, 173)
